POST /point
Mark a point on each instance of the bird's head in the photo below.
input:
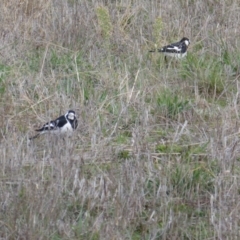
(71, 115)
(186, 41)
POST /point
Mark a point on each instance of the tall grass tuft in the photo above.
(158, 27)
(104, 22)
(171, 104)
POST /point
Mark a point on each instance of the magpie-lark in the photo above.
(62, 125)
(176, 50)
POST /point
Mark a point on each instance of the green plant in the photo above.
(4, 72)
(206, 72)
(124, 154)
(171, 104)
(104, 21)
(157, 28)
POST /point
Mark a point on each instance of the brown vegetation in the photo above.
(155, 155)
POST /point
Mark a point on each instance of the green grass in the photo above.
(207, 72)
(4, 73)
(171, 104)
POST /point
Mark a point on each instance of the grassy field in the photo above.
(156, 154)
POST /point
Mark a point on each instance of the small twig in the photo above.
(177, 135)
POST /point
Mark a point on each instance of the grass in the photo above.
(155, 155)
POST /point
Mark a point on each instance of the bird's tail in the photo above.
(35, 136)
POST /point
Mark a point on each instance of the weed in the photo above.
(206, 72)
(157, 28)
(104, 22)
(124, 154)
(170, 104)
(4, 72)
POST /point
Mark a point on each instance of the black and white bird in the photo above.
(64, 124)
(177, 50)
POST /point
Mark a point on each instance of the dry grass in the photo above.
(156, 154)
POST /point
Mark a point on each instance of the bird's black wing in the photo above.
(60, 122)
(74, 123)
(53, 125)
(172, 48)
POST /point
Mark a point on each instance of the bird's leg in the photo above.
(166, 61)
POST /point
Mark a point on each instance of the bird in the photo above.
(176, 50)
(64, 124)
